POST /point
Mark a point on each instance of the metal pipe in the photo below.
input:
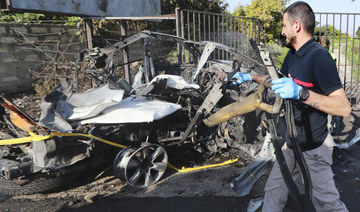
(249, 104)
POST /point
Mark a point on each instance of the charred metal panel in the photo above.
(88, 8)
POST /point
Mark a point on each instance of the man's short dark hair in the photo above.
(302, 12)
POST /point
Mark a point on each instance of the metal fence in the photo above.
(341, 29)
(226, 29)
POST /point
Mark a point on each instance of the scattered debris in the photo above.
(156, 115)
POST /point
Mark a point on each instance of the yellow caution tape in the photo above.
(34, 137)
(184, 169)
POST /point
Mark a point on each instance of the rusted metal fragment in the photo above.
(18, 117)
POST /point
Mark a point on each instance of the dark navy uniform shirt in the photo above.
(311, 67)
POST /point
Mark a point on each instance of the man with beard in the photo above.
(312, 82)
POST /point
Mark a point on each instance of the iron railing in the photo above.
(341, 29)
(226, 29)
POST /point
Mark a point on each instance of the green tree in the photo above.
(215, 6)
(239, 11)
(270, 12)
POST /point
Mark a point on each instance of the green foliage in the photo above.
(239, 11)
(269, 12)
(215, 6)
(329, 30)
(20, 17)
(277, 53)
(6, 17)
(358, 32)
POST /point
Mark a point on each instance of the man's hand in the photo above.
(239, 78)
(286, 88)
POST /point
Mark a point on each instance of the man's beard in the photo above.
(291, 42)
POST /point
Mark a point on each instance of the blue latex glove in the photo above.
(240, 78)
(286, 88)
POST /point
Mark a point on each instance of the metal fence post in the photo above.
(178, 33)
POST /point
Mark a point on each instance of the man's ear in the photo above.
(297, 26)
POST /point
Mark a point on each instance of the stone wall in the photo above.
(27, 46)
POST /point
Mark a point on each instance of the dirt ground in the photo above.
(205, 190)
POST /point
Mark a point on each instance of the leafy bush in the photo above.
(6, 17)
(277, 53)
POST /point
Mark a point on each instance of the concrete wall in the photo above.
(26, 46)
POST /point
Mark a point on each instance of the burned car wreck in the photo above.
(191, 110)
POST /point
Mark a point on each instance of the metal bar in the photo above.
(259, 31)
(333, 37)
(125, 51)
(340, 45)
(204, 27)
(346, 46)
(218, 35)
(194, 33)
(352, 56)
(182, 33)
(230, 31)
(222, 37)
(237, 33)
(326, 28)
(188, 33)
(209, 27)
(214, 29)
(331, 13)
(199, 26)
(252, 29)
(227, 36)
(233, 32)
(246, 34)
(142, 18)
(89, 33)
(249, 35)
(320, 27)
(178, 33)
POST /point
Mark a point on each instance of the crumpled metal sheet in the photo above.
(353, 141)
(252, 173)
(88, 104)
(102, 105)
(174, 81)
(210, 47)
(49, 117)
(133, 110)
(62, 105)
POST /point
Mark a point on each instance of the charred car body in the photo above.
(158, 113)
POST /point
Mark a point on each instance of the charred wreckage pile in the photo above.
(189, 112)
